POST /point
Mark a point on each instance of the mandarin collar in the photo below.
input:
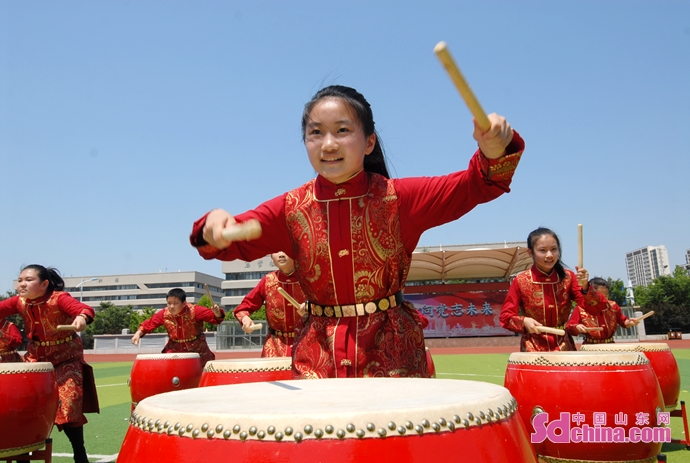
(325, 190)
(284, 278)
(540, 277)
(38, 300)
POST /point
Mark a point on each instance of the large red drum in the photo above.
(382, 420)
(157, 373)
(253, 370)
(28, 404)
(660, 358)
(594, 401)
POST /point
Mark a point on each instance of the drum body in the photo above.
(599, 388)
(237, 371)
(383, 420)
(28, 404)
(660, 358)
(157, 373)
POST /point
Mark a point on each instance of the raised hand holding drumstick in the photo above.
(221, 229)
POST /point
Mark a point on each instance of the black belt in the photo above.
(356, 310)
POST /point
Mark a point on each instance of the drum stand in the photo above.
(682, 413)
(37, 455)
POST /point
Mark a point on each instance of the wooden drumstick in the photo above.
(647, 315)
(255, 327)
(66, 327)
(548, 329)
(289, 298)
(245, 231)
(593, 328)
(208, 293)
(580, 258)
(443, 54)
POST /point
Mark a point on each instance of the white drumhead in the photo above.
(249, 365)
(325, 409)
(627, 347)
(25, 367)
(169, 356)
(577, 358)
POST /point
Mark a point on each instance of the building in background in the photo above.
(646, 264)
(687, 261)
(141, 290)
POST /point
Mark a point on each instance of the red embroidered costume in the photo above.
(548, 300)
(280, 314)
(609, 319)
(186, 330)
(10, 341)
(352, 243)
(76, 386)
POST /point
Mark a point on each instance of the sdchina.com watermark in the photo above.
(562, 431)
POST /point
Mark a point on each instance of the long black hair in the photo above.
(539, 232)
(376, 160)
(56, 283)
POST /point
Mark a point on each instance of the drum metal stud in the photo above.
(243, 436)
(190, 426)
(308, 429)
(181, 432)
(204, 427)
(219, 428)
(360, 433)
(227, 434)
(382, 432)
(279, 436)
(329, 429)
(419, 429)
(436, 427)
(177, 426)
(470, 416)
(288, 431)
(466, 423)
(340, 434)
(235, 429)
(298, 437)
(318, 434)
(271, 430)
(166, 424)
(451, 426)
(158, 423)
(252, 430)
(537, 410)
(371, 427)
(176, 381)
(261, 434)
(482, 415)
(478, 421)
(426, 423)
(195, 433)
(170, 430)
(442, 421)
(456, 418)
(401, 430)
(350, 427)
(210, 433)
(391, 426)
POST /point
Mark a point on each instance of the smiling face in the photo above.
(545, 253)
(30, 286)
(335, 141)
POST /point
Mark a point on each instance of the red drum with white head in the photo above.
(157, 373)
(593, 401)
(253, 370)
(660, 358)
(28, 404)
(382, 420)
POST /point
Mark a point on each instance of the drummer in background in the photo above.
(608, 319)
(543, 296)
(44, 305)
(184, 323)
(280, 314)
(10, 341)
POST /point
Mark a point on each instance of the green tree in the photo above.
(669, 298)
(110, 319)
(139, 317)
(205, 301)
(617, 291)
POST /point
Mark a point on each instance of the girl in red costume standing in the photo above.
(351, 232)
(543, 296)
(44, 305)
(10, 341)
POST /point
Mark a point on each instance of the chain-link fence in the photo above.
(231, 336)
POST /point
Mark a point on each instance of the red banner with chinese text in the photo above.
(461, 314)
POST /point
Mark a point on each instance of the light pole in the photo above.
(81, 287)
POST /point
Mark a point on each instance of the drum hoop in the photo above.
(548, 459)
(654, 347)
(170, 356)
(215, 369)
(204, 426)
(15, 368)
(239, 365)
(542, 360)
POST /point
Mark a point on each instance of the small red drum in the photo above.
(157, 373)
(350, 420)
(430, 364)
(28, 404)
(593, 400)
(660, 358)
(253, 370)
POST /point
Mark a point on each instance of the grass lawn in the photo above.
(104, 432)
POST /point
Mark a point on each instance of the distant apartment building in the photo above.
(141, 290)
(687, 261)
(645, 264)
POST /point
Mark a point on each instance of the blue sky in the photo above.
(123, 122)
